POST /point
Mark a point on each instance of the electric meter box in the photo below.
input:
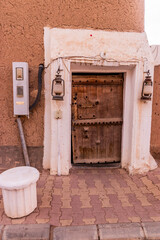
(20, 88)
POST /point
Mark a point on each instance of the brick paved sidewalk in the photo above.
(94, 196)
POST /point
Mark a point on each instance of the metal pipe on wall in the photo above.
(23, 142)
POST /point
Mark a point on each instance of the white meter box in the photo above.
(20, 88)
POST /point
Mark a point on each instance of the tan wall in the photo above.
(155, 132)
(22, 40)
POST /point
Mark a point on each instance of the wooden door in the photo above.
(97, 107)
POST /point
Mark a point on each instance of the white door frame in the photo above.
(63, 48)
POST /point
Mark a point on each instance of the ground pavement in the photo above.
(94, 196)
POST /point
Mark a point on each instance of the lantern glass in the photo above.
(148, 90)
(58, 88)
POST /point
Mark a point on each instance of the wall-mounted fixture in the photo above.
(58, 87)
(147, 88)
(20, 88)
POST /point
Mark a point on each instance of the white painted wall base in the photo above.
(98, 51)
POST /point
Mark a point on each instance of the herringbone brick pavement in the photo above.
(94, 196)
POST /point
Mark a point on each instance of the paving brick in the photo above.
(157, 197)
(156, 219)
(66, 222)
(18, 220)
(139, 183)
(102, 194)
(118, 208)
(57, 185)
(100, 217)
(155, 191)
(65, 217)
(67, 211)
(75, 191)
(31, 218)
(110, 191)
(57, 191)
(122, 183)
(106, 202)
(127, 190)
(40, 183)
(39, 190)
(75, 199)
(66, 195)
(94, 199)
(90, 183)
(110, 213)
(75, 233)
(130, 212)
(144, 201)
(78, 222)
(6, 220)
(66, 203)
(111, 220)
(144, 190)
(56, 199)
(55, 209)
(97, 208)
(43, 212)
(45, 202)
(74, 184)
(114, 199)
(54, 220)
(27, 232)
(88, 213)
(66, 214)
(152, 211)
(153, 178)
(85, 203)
(88, 221)
(135, 219)
(125, 202)
(121, 231)
(93, 191)
(42, 220)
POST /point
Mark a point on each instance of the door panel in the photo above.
(97, 102)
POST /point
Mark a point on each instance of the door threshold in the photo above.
(96, 165)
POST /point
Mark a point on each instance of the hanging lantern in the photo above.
(147, 88)
(58, 87)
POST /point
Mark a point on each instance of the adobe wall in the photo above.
(22, 24)
(155, 132)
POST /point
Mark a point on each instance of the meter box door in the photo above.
(20, 88)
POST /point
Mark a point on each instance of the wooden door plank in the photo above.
(97, 104)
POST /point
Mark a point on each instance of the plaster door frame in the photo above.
(131, 55)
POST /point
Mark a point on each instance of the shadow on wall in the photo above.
(12, 156)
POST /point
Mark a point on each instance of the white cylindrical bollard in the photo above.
(19, 190)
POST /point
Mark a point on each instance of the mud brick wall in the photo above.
(22, 24)
(155, 132)
(12, 156)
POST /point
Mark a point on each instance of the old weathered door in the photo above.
(97, 106)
